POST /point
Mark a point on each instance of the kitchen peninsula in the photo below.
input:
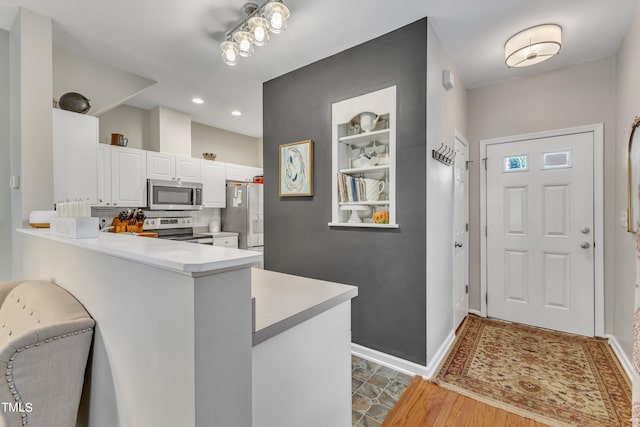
(173, 343)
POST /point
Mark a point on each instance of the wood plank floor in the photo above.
(426, 404)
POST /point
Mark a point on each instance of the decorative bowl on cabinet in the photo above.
(73, 101)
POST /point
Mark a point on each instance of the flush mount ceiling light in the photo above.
(533, 45)
(197, 100)
(260, 20)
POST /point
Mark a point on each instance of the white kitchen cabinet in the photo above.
(75, 147)
(104, 175)
(188, 169)
(226, 242)
(242, 173)
(161, 166)
(128, 177)
(213, 184)
(170, 167)
(253, 171)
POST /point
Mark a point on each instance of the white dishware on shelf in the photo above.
(354, 218)
(373, 189)
(361, 144)
(363, 214)
(368, 121)
(363, 161)
(379, 148)
(378, 174)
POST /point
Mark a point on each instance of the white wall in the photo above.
(132, 122)
(5, 163)
(105, 86)
(31, 119)
(446, 112)
(170, 131)
(143, 130)
(627, 107)
(573, 96)
(229, 146)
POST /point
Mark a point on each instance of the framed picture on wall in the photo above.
(295, 169)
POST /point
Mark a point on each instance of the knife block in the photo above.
(125, 226)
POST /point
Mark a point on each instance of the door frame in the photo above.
(458, 136)
(598, 212)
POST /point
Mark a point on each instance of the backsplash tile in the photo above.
(201, 218)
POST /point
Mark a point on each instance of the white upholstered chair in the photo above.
(45, 337)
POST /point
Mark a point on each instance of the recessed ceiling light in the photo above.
(198, 101)
(236, 113)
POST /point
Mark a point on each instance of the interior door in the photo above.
(540, 216)
(461, 234)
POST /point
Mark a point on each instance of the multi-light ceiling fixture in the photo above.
(260, 20)
(533, 45)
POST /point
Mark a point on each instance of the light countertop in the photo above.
(217, 234)
(284, 301)
(182, 257)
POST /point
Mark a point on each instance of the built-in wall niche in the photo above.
(364, 161)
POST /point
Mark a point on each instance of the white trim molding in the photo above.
(622, 357)
(598, 212)
(402, 365)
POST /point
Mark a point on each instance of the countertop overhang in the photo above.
(284, 301)
(181, 257)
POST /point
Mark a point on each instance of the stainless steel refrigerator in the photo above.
(244, 215)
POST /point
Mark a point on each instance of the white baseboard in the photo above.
(622, 357)
(476, 312)
(402, 365)
(393, 362)
(440, 355)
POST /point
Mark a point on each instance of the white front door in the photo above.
(540, 219)
(461, 234)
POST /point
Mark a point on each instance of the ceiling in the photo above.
(177, 43)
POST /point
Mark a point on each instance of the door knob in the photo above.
(585, 230)
(458, 245)
(585, 245)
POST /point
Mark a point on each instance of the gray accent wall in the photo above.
(388, 266)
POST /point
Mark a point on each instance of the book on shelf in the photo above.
(351, 189)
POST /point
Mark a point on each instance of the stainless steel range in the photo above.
(178, 228)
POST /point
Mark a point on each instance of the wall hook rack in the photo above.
(444, 154)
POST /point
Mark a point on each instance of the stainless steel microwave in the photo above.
(174, 195)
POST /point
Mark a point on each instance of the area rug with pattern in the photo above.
(551, 377)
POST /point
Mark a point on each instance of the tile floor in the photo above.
(375, 390)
